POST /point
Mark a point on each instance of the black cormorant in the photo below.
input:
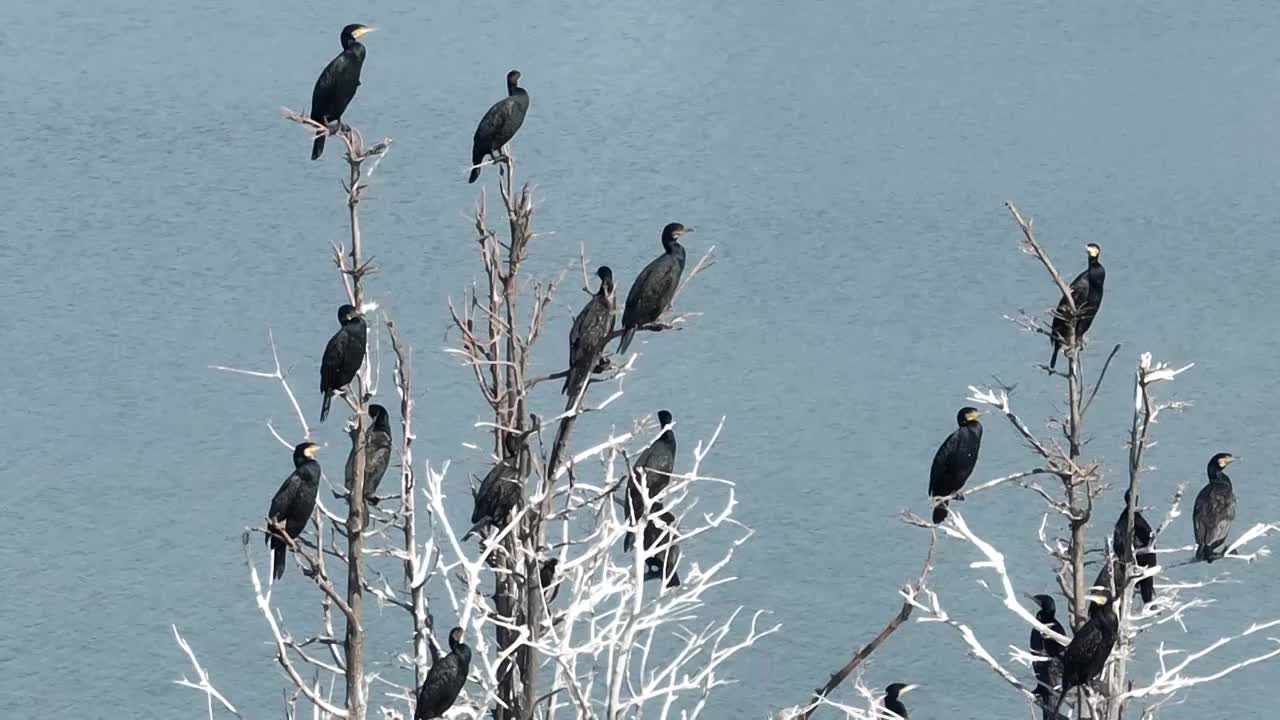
(293, 503)
(954, 461)
(1124, 550)
(655, 286)
(1086, 291)
(892, 698)
(501, 490)
(547, 577)
(659, 534)
(337, 84)
(1215, 510)
(590, 334)
(1048, 672)
(377, 453)
(500, 124)
(343, 356)
(445, 679)
(655, 464)
(1090, 647)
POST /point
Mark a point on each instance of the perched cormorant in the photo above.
(655, 464)
(1090, 647)
(590, 334)
(337, 85)
(501, 490)
(659, 533)
(293, 503)
(377, 453)
(1086, 291)
(500, 124)
(547, 577)
(445, 679)
(655, 286)
(954, 461)
(343, 356)
(1048, 672)
(892, 701)
(1124, 550)
(1215, 510)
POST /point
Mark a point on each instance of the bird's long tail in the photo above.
(628, 541)
(317, 148)
(1061, 696)
(1147, 586)
(573, 383)
(1053, 360)
(626, 340)
(476, 157)
(324, 407)
(674, 580)
(940, 512)
(278, 550)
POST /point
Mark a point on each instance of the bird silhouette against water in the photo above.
(1215, 510)
(1086, 291)
(1124, 549)
(655, 286)
(293, 504)
(500, 124)
(502, 490)
(343, 355)
(660, 538)
(955, 460)
(893, 698)
(337, 84)
(445, 679)
(590, 334)
(650, 474)
(1048, 672)
(1086, 656)
(377, 453)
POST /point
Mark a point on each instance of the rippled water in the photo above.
(849, 160)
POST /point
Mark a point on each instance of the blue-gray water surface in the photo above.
(849, 160)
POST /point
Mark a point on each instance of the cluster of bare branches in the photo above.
(561, 625)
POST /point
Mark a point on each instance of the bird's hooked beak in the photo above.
(907, 689)
(311, 450)
(1227, 460)
(362, 31)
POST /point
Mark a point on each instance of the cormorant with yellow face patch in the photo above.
(337, 84)
(445, 679)
(893, 699)
(293, 504)
(1215, 510)
(655, 286)
(1086, 656)
(1086, 292)
(954, 461)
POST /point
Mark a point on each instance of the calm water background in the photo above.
(849, 160)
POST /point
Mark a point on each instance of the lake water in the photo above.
(849, 160)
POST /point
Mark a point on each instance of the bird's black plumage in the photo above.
(893, 699)
(1215, 510)
(377, 453)
(653, 468)
(337, 84)
(955, 460)
(343, 356)
(444, 680)
(1048, 672)
(293, 503)
(659, 537)
(500, 124)
(547, 577)
(655, 286)
(1124, 549)
(1090, 647)
(1086, 292)
(590, 334)
(501, 491)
